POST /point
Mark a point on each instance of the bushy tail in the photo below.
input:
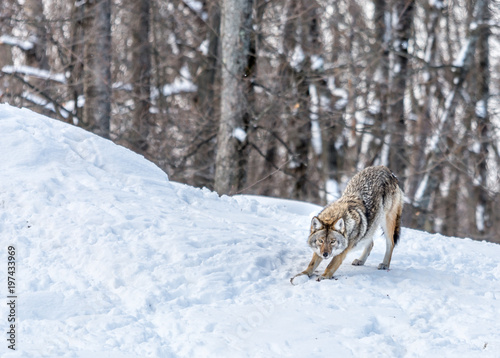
(397, 225)
(397, 229)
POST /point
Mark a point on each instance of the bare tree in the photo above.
(462, 65)
(76, 57)
(208, 83)
(236, 25)
(138, 132)
(426, 82)
(402, 34)
(483, 200)
(97, 67)
(36, 56)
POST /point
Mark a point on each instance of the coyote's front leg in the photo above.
(316, 260)
(333, 265)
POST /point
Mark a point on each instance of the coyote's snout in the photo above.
(371, 199)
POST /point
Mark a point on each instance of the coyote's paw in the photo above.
(325, 276)
(358, 262)
(383, 266)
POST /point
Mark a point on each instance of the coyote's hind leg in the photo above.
(392, 230)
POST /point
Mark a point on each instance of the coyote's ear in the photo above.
(316, 224)
(339, 225)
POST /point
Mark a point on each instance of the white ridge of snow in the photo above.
(114, 260)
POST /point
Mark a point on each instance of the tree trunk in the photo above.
(206, 103)
(236, 26)
(37, 55)
(75, 66)
(402, 31)
(141, 76)
(482, 201)
(97, 65)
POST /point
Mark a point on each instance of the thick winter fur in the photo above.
(371, 199)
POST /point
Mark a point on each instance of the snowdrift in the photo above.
(114, 260)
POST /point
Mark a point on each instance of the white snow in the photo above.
(122, 86)
(34, 72)
(70, 105)
(172, 41)
(114, 260)
(343, 100)
(44, 103)
(461, 57)
(203, 48)
(317, 62)
(14, 41)
(239, 134)
(374, 107)
(419, 194)
(481, 111)
(297, 57)
(181, 84)
(438, 4)
(196, 6)
(480, 218)
(384, 153)
(333, 190)
(397, 68)
(316, 137)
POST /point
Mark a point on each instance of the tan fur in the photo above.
(371, 199)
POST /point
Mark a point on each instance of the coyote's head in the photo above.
(327, 240)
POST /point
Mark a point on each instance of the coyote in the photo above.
(371, 199)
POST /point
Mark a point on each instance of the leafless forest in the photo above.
(286, 98)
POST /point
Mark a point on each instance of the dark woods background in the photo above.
(286, 98)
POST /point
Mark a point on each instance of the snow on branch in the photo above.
(14, 41)
(239, 134)
(34, 72)
(181, 84)
(196, 7)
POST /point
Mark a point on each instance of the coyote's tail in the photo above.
(397, 224)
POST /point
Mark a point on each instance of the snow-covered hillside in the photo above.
(113, 260)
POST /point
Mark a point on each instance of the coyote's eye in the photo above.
(321, 241)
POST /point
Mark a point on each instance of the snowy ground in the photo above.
(113, 260)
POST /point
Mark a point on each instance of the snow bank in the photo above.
(113, 260)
